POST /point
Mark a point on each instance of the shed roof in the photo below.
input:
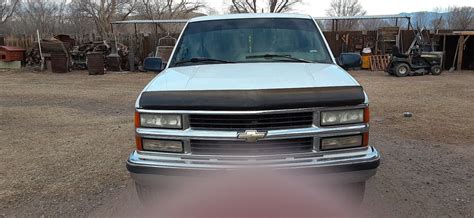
(11, 48)
(258, 15)
(148, 21)
(364, 17)
(458, 33)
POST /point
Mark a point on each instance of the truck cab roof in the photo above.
(249, 16)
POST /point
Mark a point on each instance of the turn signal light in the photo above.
(138, 141)
(365, 139)
(137, 119)
(366, 115)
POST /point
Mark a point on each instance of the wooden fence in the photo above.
(19, 41)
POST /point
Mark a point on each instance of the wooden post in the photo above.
(444, 52)
(131, 55)
(460, 52)
(136, 33)
(40, 50)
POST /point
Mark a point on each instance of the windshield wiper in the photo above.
(201, 60)
(271, 56)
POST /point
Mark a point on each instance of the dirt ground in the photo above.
(64, 139)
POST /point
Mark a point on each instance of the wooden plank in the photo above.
(463, 32)
(379, 62)
(460, 52)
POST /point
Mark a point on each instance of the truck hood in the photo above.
(250, 76)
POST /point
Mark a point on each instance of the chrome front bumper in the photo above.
(359, 164)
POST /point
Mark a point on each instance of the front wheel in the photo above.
(402, 70)
(436, 70)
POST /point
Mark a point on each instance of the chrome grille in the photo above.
(265, 147)
(252, 122)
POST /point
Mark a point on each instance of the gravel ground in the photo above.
(64, 139)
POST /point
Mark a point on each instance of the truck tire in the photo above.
(436, 70)
(402, 70)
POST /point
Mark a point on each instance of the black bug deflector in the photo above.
(266, 99)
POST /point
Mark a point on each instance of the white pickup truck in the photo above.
(253, 88)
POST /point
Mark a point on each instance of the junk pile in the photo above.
(61, 54)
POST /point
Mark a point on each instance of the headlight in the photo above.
(329, 118)
(341, 142)
(162, 145)
(161, 121)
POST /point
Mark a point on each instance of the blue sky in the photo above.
(373, 7)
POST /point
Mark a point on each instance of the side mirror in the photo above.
(153, 64)
(349, 60)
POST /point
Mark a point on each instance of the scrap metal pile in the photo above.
(115, 55)
(79, 54)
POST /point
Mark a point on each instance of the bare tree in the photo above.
(168, 9)
(102, 12)
(421, 20)
(244, 6)
(210, 11)
(339, 8)
(269, 6)
(279, 6)
(461, 18)
(7, 8)
(439, 19)
(79, 22)
(47, 16)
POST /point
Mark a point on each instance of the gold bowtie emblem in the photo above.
(251, 135)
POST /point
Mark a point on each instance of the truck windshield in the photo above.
(250, 40)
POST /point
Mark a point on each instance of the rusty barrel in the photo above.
(95, 63)
(59, 63)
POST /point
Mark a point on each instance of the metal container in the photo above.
(366, 53)
(113, 62)
(95, 63)
(59, 63)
